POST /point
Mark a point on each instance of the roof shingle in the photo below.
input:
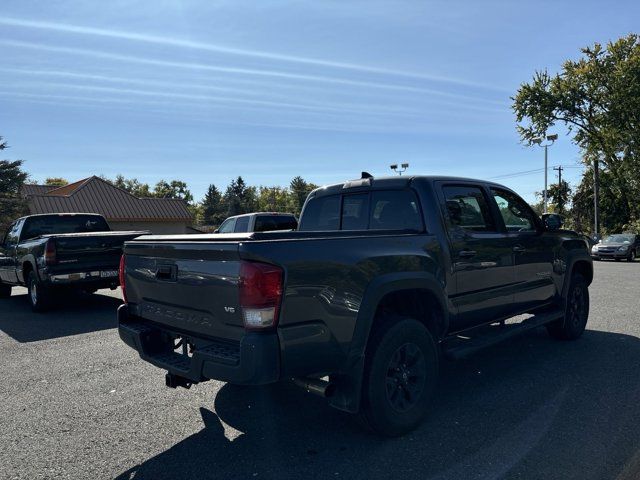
(95, 195)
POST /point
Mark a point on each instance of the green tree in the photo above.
(299, 190)
(213, 208)
(274, 199)
(560, 196)
(132, 185)
(239, 198)
(56, 181)
(173, 189)
(597, 99)
(12, 178)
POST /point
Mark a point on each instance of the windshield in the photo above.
(619, 239)
(36, 226)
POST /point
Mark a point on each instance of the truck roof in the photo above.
(283, 214)
(393, 182)
(62, 214)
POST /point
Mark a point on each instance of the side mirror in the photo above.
(217, 230)
(552, 221)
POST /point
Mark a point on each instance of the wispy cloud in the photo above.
(221, 49)
(263, 73)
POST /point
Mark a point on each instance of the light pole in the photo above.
(538, 141)
(394, 167)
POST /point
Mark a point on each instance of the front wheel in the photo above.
(39, 294)
(401, 371)
(576, 314)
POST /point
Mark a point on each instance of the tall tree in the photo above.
(274, 199)
(173, 189)
(597, 98)
(213, 208)
(12, 178)
(560, 196)
(132, 185)
(300, 189)
(239, 198)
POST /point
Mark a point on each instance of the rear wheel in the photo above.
(576, 313)
(401, 370)
(5, 290)
(39, 294)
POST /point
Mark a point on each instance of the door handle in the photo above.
(467, 253)
(519, 249)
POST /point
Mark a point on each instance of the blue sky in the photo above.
(204, 91)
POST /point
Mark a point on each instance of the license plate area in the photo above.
(108, 273)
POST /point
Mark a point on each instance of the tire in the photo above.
(402, 354)
(39, 295)
(572, 326)
(5, 290)
(632, 256)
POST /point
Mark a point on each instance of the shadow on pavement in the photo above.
(533, 408)
(75, 314)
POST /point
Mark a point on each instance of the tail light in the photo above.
(50, 252)
(121, 278)
(260, 294)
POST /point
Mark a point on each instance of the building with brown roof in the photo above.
(122, 210)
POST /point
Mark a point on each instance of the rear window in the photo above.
(355, 212)
(378, 210)
(395, 210)
(266, 223)
(36, 226)
(321, 214)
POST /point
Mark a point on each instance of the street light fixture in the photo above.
(403, 166)
(538, 141)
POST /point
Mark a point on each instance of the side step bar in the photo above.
(471, 341)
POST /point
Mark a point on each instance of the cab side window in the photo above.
(468, 209)
(515, 212)
(242, 225)
(227, 226)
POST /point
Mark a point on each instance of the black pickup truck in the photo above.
(382, 278)
(50, 252)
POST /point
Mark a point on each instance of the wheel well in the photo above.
(420, 304)
(26, 268)
(584, 269)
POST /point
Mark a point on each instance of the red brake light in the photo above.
(121, 278)
(260, 294)
(50, 252)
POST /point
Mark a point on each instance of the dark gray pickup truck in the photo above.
(50, 252)
(383, 278)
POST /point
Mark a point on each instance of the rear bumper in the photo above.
(255, 360)
(83, 278)
(610, 255)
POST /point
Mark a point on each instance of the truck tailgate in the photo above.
(94, 250)
(187, 286)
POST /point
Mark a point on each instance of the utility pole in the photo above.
(559, 169)
(538, 141)
(596, 194)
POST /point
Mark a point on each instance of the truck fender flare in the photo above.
(349, 383)
(574, 257)
(30, 259)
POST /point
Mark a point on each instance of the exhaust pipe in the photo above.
(316, 386)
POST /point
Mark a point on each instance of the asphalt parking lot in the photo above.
(77, 403)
